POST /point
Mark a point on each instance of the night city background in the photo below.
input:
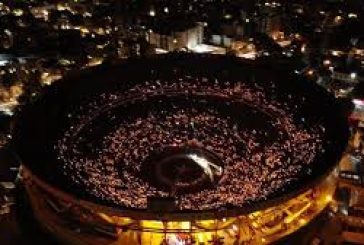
(320, 41)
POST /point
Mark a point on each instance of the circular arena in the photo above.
(180, 148)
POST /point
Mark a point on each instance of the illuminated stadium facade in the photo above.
(180, 149)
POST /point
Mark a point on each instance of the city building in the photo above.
(174, 36)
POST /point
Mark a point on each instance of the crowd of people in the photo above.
(264, 148)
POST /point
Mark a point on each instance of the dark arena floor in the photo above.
(208, 132)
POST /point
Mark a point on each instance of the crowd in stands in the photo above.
(261, 154)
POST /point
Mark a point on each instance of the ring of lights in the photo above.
(69, 212)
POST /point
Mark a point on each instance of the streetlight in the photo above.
(152, 13)
(353, 75)
(327, 62)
